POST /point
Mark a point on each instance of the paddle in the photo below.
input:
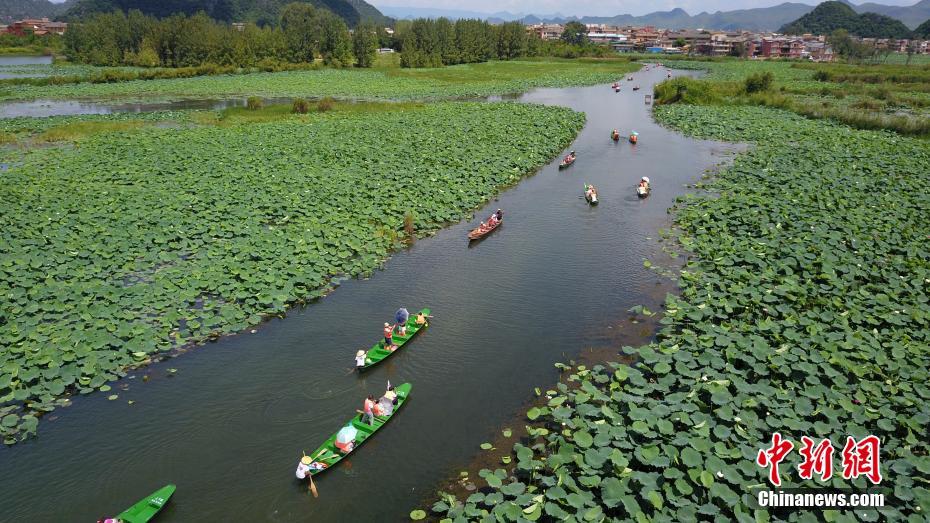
(310, 475)
(313, 487)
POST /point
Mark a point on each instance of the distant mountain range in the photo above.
(12, 10)
(756, 19)
(262, 11)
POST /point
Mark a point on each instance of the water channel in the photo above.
(229, 426)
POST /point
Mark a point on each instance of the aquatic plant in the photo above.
(803, 310)
(472, 80)
(139, 242)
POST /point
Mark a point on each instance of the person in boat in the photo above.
(570, 158)
(401, 317)
(368, 415)
(360, 358)
(306, 467)
(421, 319)
(388, 337)
(615, 134)
(345, 439)
(387, 402)
(500, 215)
(591, 193)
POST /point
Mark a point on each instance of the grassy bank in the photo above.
(142, 239)
(472, 80)
(893, 97)
(803, 311)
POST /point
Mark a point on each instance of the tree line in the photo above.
(302, 34)
(437, 42)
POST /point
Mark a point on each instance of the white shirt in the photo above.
(302, 471)
(360, 360)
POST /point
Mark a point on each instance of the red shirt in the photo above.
(368, 405)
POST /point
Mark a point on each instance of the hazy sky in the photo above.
(600, 7)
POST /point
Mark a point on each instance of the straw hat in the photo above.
(360, 352)
(386, 324)
(306, 460)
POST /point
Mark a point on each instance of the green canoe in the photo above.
(378, 353)
(329, 455)
(147, 508)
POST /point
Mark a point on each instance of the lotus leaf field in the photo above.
(461, 81)
(804, 310)
(134, 243)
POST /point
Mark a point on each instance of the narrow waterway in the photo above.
(229, 426)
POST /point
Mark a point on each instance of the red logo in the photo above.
(819, 460)
(774, 455)
(861, 459)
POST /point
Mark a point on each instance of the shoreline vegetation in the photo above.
(802, 310)
(894, 97)
(387, 83)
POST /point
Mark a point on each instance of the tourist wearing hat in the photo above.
(360, 358)
(303, 468)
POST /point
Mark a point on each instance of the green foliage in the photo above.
(833, 15)
(923, 30)
(686, 90)
(804, 310)
(335, 45)
(800, 88)
(575, 33)
(300, 106)
(254, 102)
(103, 268)
(849, 48)
(181, 41)
(261, 12)
(511, 40)
(326, 104)
(365, 44)
(758, 82)
(368, 84)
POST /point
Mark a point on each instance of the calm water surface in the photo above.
(230, 425)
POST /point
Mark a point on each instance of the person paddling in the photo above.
(421, 319)
(360, 358)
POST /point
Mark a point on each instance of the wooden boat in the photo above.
(592, 201)
(327, 455)
(478, 232)
(615, 85)
(636, 88)
(378, 353)
(643, 192)
(566, 163)
(617, 90)
(146, 509)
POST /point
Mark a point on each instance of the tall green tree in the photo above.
(575, 33)
(335, 46)
(302, 31)
(511, 40)
(365, 44)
